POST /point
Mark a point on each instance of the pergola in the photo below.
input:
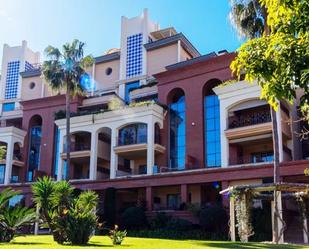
(241, 197)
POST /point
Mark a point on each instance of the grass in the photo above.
(46, 242)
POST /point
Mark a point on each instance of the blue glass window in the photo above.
(15, 200)
(56, 155)
(34, 150)
(178, 134)
(2, 173)
(133, 134)
(212, 131)
(134, 55)
(260, 157)
(12, 78)
(129, 86)
(9, 107)
(65, 173)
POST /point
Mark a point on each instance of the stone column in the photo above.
(149, 198)
(280, 224)
(232, 220)
(60, 160)
(224, 141)
(9, 161)
(93, 156)
(114, 156)
(305, 235)
(184, 193)
(150, 147)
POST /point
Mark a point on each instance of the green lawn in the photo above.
(44, 241)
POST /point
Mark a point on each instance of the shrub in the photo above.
(71, 218)
(178, 224)
(117, 236)
(159, 221)
(213, 219)
(134, 218)
(14, 218)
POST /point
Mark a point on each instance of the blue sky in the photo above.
(97, 22)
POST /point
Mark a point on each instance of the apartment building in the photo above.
(157, 124)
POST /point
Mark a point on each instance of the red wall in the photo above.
(45, 108)
(192, 80)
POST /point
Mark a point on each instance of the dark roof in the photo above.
(107, 57)
(31, 73)
(191, 61)
(171, 40)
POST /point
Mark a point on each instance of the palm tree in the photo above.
(248, 17)
(63, 71)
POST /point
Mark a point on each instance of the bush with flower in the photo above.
(117, 236)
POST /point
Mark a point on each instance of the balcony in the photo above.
(249, 118)
(249, 122)
(132, 142)
(255, 158)
(77, 150)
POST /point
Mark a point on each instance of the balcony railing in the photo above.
(77, 147)
(252, 159)
(132, 139)
(34, 67)
(252, 118)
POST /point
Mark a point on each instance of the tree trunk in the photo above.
(68, 137)
(276, 172)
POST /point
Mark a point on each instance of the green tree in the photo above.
(249, 18)
(279, 61)
(63, 71)
(2, 152)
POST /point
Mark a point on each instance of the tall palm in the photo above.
(63, 71)
(248, 17)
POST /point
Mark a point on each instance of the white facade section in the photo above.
(233, 95)
(23, 55)
(10, 136)
(130, 27)
(114, 120)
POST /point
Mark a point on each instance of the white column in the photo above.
(9, 161)
(280, 224)
(280, 141)
(60, 160)
(93, 156)
(36, 224)
(150, 147)
(224, 141)
(305, 235)
(232, 219)
(114, 156)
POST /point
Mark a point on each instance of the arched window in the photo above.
(177, 130)
(212, 125)
(133, 134)
(34, 146)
